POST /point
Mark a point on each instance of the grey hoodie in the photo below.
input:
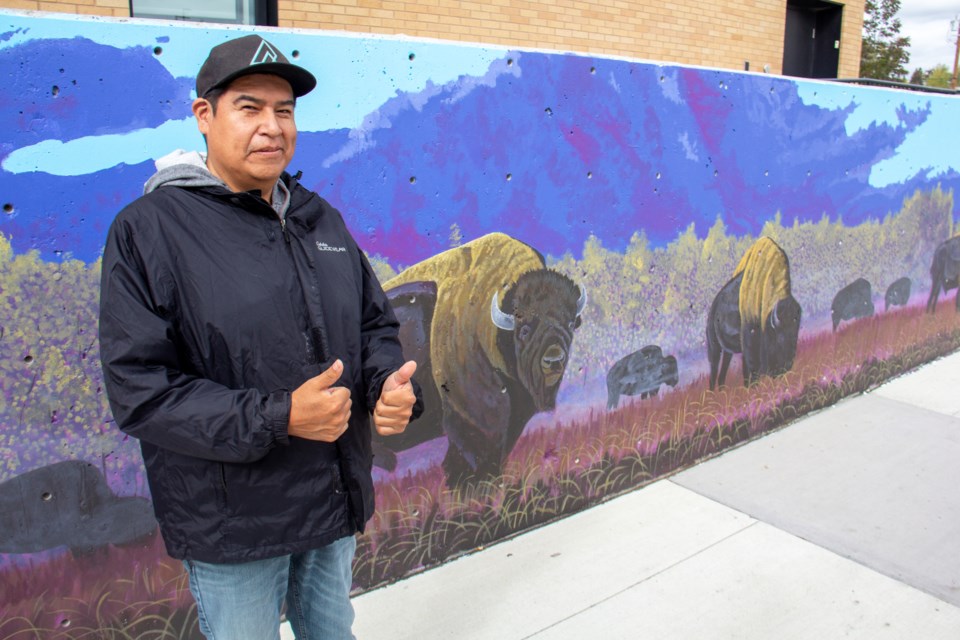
(189, 169)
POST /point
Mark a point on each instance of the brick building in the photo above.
(807, 38)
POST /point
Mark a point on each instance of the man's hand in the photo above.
(395, 406)
(318, 410)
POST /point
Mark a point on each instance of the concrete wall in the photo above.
(716, 34)
(643, 185)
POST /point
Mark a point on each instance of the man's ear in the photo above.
(203, 112)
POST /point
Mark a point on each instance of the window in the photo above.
(262, 12)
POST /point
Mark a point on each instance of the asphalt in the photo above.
(845, 524)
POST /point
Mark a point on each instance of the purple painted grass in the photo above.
(554, 471)
(597, 454)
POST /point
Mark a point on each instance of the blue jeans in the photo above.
(243, 601)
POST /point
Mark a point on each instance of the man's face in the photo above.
(252, 136)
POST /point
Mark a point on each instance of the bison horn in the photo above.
(502, 320)
(582, 301)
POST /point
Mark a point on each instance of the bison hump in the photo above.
(766, 279)
(952, 248)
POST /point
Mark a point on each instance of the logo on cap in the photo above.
(265, 53)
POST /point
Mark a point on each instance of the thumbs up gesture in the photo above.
(395, 406)
(319, 410)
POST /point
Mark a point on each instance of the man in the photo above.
(246, 342)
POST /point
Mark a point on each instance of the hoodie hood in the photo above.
(189, 169)
(182, 169)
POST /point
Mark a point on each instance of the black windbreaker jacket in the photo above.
(211, 313)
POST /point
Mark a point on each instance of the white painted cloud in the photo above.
(96, 153)
(689, 148)
(613, 82)
(670, 86)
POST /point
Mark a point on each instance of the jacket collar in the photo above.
(296, 213)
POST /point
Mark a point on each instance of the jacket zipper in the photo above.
(317, 331)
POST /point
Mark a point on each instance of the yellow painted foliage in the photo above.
(52, 395)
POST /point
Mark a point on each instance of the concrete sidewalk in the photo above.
(845, 524)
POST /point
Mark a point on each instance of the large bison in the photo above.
(853, 301)
(756, 315)
(898, 293)
(945, 271)
(640, 373)
(491, 329)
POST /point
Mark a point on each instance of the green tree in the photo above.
(884, 54)
(918, 77)
(939, 76)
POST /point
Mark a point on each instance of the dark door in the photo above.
(811, 42)
(826, 48)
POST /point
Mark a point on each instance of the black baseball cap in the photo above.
(248, 55)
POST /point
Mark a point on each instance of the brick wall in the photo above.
(721, 34)
(717, 34)
(115, 8)
(850, 39)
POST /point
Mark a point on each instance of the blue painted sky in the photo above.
(355, 75)
(409, 137)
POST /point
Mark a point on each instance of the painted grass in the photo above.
(115, 593)
(580, 462)
(137, 592)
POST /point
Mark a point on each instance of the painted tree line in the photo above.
(662, 295)
(53, 408)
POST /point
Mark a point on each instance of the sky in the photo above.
(927, 24)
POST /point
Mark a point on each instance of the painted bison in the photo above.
(945, 271)
(69, 504)
(754, 314)
(640, 373)
(898, 294)
(853, 301)
(491, 329)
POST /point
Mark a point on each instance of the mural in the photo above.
(576, 246)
